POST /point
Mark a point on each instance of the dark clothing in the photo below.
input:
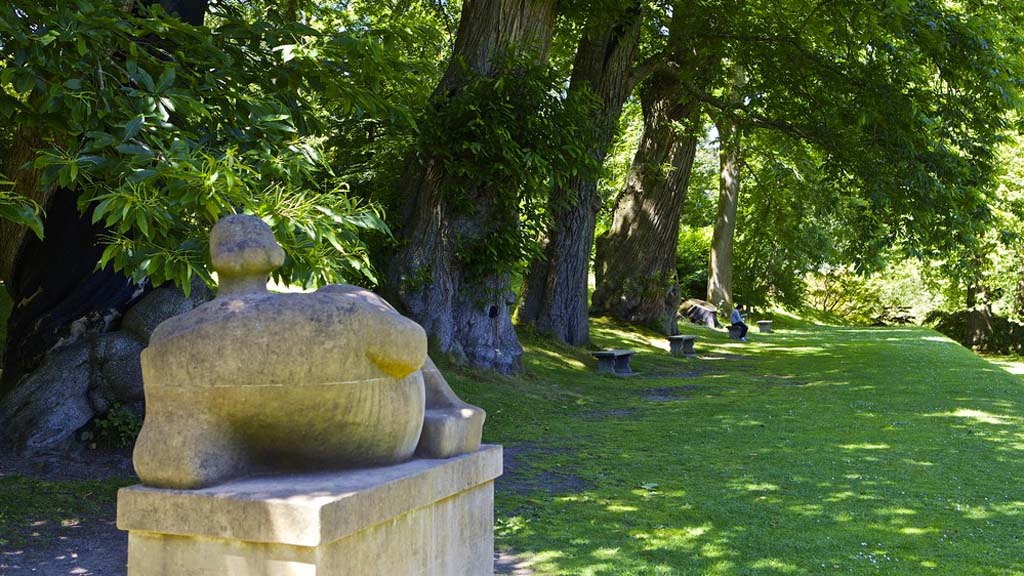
(743, 328)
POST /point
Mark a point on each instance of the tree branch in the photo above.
(657, 63)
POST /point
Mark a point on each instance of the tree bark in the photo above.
(466, 316)
(555, 291)
(18, 168)
(720, 263)
(720, 260)
(636, 260)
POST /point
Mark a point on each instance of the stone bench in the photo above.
(734, 332)
(614, 361)
(682, 345)
(764, 326)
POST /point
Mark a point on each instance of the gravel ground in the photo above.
(89, 546)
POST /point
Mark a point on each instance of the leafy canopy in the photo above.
(160, 128)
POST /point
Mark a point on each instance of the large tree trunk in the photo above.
(555, 297)
(18, 168)
(636, 259)
(57, 292)
(720, 260)
(720, 266)
(466, 316)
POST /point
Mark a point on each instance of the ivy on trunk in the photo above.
(452, 271)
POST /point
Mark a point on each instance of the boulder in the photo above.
(116, 373)
(700, 312)
(50, 404)
(159, 305)
(74, 384)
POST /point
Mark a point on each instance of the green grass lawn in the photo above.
(813, 450)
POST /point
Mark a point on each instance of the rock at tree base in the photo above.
(700, 312)
(86, 373)
(73, 385)
(50, 404)
(162, 303)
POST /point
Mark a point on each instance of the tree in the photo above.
(635, 265)
(635, 261)
(555, 295)
(460, 232)
(918, 96)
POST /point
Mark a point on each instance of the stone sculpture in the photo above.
(254, 381)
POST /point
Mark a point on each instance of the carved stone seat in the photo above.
(764, 326)
(682, 345)
(614, 361)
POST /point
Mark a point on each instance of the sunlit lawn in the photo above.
(813, 450)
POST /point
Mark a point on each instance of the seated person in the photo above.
(736, 318)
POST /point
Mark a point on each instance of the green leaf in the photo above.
(132, 128)
(166, 80)
(142, 222)
(21, 213)
(134, 150)
(287, 51)
(143, 77)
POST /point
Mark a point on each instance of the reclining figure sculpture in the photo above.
(255, 382)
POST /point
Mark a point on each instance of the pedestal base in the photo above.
(424, 517)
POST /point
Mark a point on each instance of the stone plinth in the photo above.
(764, 326)
(423, 517)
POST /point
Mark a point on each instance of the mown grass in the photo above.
(813, 450)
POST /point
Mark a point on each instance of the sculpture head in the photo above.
(244, 252)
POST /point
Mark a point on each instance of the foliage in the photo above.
(702, 194)
(504, 142)
(843, 292)
(19, 209)
(692, 261)
(899, 290)
(924, 85)
(787, 223)
(159, 141)
(620, 154)
(1005, 337)
(369, 151)
(118, 428)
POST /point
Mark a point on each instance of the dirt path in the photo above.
(88, 545)
(93, 546)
